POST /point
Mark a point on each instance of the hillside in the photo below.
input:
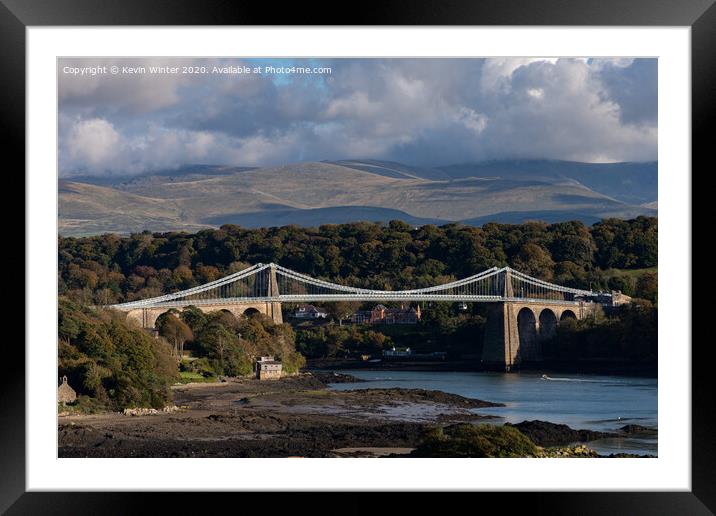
(315, 193)
(86, 209)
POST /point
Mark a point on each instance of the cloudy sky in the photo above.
(416, 111)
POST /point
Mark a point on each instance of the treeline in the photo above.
(627, 334)
(110, 268)
(333, 341)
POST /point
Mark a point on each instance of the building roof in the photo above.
(310, 308)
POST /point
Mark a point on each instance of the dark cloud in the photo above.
(634, 89)
(419, 111)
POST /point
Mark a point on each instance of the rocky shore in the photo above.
(294, 416)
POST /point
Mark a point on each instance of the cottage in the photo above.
(310, 312)
(65, 393)
(267, 368)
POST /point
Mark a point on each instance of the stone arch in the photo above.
(160, 313)
(567, 314)
(547, 324)
(145, 317)
(527, 331)
(229, 317)
(251, 311)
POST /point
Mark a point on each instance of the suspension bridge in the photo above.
(523, 310)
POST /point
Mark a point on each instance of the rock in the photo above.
(139, 411)
(328, 377)
(637, 429)
(545, 433)
(577, 451)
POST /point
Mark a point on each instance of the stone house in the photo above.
(267, 368)
(65, 393)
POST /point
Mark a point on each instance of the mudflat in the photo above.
(293, 416)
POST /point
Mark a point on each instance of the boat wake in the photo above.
(581, 380)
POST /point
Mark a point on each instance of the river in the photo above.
(594, 402)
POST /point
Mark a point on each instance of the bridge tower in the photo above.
(509, 290)
(274, 307)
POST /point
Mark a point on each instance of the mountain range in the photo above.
(330, 192)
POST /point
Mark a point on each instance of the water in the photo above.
(603, 403)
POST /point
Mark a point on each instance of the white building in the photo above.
(310, 312)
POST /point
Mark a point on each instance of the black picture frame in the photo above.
(17, 15)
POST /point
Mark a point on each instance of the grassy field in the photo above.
(190, 377)
(634, 273)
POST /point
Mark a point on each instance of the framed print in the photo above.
(418, 252)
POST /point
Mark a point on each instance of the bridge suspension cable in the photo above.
(274, 283)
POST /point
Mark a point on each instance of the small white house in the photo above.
(310, 312)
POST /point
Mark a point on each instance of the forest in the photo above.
(612, 254)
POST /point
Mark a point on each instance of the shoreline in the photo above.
(595, 368)
(293, 416)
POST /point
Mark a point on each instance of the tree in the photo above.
(647, 286)
(194, 318)
(176, 331)
(374, 342)
(340, 310)
(221, 346)
(535, 261)
(623, 283)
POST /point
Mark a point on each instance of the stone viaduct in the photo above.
(147, 317)
(515, 330)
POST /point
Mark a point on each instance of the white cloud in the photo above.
(536, 93)
(93, 142)
(472, 119)
(419, 111)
